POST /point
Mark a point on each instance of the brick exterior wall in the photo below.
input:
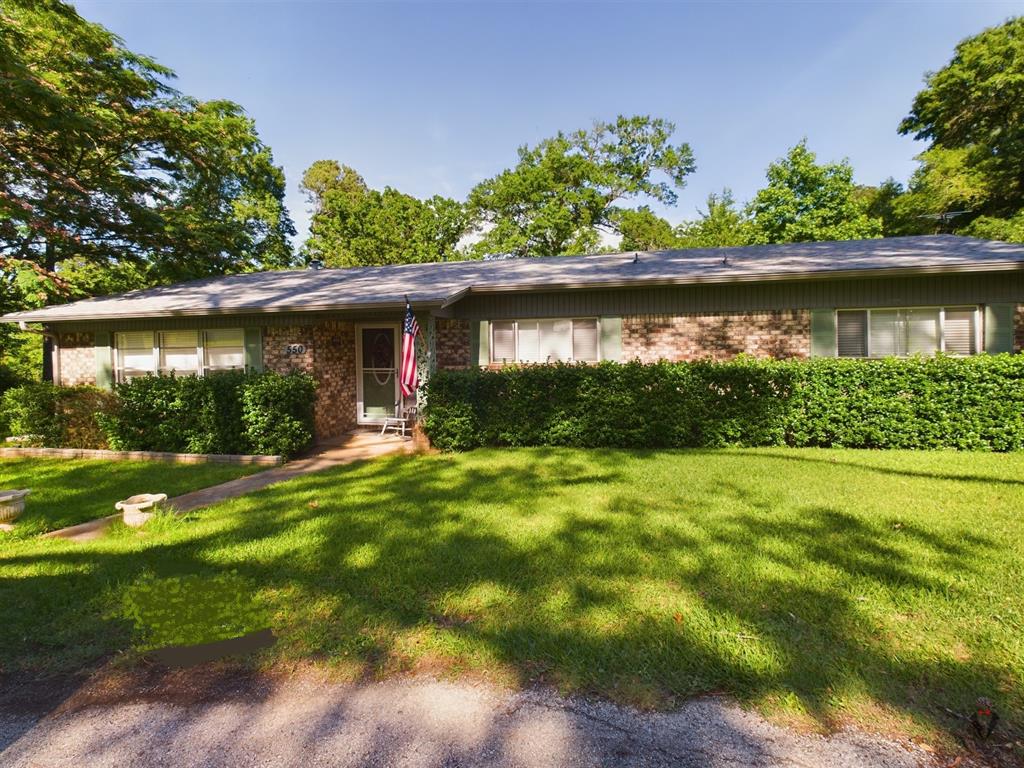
(275, 348)
(77, 357)
(329, 356)
(335, 369)
(452, 343)
(1018, 328)
(778, 334)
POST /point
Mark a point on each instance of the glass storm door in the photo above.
(378, 373)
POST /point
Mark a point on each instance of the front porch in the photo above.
(355, 364)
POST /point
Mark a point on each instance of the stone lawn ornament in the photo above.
(136, 510)
(12, 504)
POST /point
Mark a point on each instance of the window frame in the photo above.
(156, 338)
(515, 338)
(119, 369)
(161, 349)
(978, 319)
(205, 347)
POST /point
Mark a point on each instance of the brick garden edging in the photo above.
(179, 458)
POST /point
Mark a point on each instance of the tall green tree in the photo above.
(885, 202)
(970, 180)
(354, 225)
(106, 168)
(102, 160)
(722, 224)
(563, 193)
(641, 229)
(998, 228)
(974, 106)
(226, 212)
(81, 130)
(20, 352)
(805, 200)
(942, 196)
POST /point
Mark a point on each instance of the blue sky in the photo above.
(432, 98)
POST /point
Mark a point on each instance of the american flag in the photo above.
(410, 330)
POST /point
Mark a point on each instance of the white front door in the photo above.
(376, 371)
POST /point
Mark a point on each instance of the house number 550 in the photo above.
(296, 349)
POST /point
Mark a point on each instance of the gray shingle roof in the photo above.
(444, 283)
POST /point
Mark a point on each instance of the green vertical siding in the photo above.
(999, 328)
(104, 360)
(823, 333)
(918, 291)
(480, 342)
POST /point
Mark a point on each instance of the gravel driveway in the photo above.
(414, 722)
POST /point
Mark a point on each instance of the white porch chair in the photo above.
(404, 418)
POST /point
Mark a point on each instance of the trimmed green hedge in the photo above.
(55, 416)
(974, 403)
(228, 412)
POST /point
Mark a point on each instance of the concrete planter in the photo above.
(136, 510)
(12, 504)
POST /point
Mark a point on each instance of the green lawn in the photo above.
(69, 492)
(880, 587)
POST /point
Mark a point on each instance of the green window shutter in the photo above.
(480, 342)
(254, 349)
(104, 360)
(823, 333)
(611, 338)
(999, 328)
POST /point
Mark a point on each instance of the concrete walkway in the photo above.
(352, 447)
(419, 723)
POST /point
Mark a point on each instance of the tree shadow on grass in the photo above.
(821, 457)
(66, 493)
(506, 559)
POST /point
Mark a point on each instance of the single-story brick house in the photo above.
(864, 298)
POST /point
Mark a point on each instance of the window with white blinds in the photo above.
(225, 349)
(179, 352)
(545, 341)
(528, 341)
(883, 337)
(183, 353)
(922, 331)
(960, 331)
(503, 342)
(901, 332)
(852, 332)
(585, 340)
(134, 354)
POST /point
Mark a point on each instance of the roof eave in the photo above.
(1002, 266)
(32, 316)
(1007, 266)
